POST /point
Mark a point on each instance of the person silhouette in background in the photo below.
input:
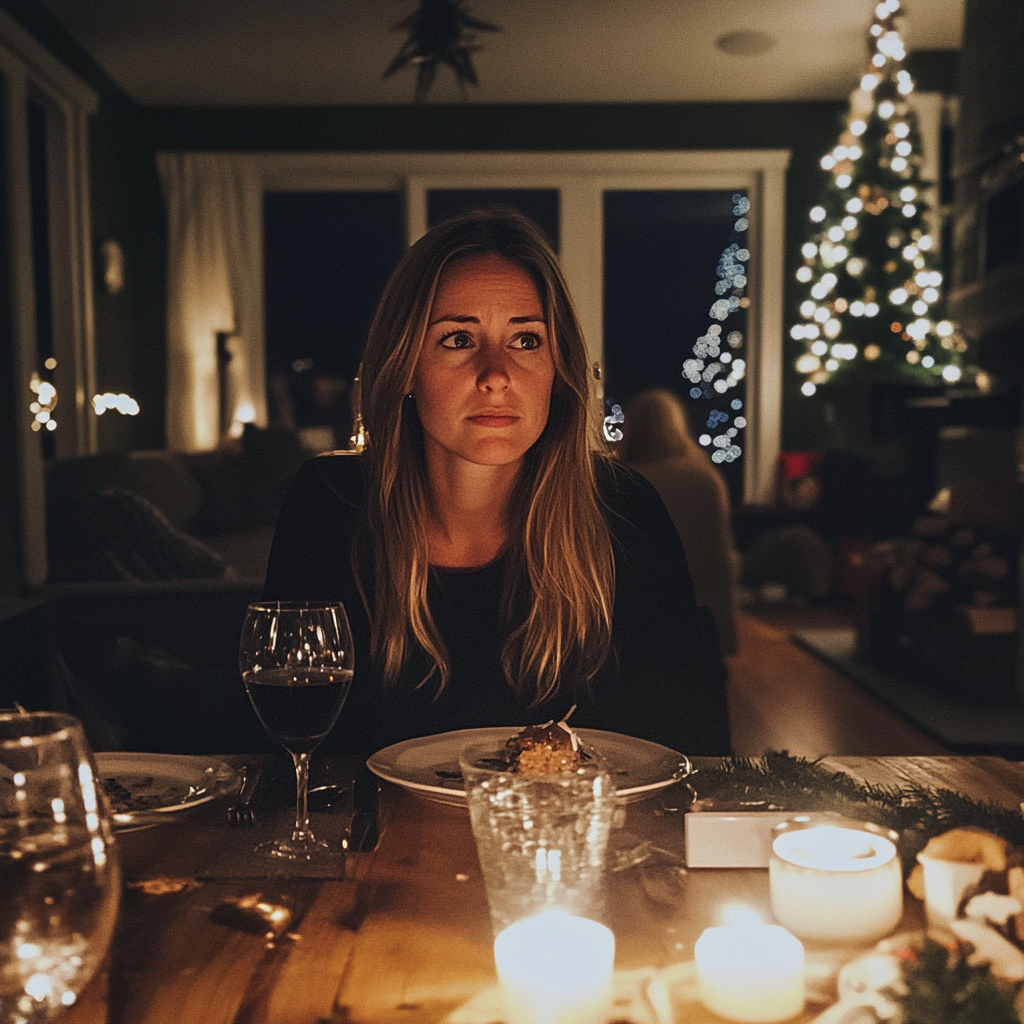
(657, 442)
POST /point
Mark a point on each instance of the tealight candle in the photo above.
(555, 969)
(750, 972)
(835, 880)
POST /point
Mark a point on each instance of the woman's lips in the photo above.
(494, 419)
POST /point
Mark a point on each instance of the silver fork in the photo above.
(241, 811)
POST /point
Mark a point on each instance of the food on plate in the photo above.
(140, 793)
(550, 749)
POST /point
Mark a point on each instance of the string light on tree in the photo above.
(716, 365)
(870, 266)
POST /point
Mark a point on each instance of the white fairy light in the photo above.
(857, 308)
(809, 250)
(807, 308)
(819, 348)
(924, 242)
(836, 233)
(908, 193)
(855, 266)
(871, 309)
(848, 223)
(854, 205)
(951, 374)
(944, 328)
(904, 148)
(930, 295)
(821, 314)
(869, 82)
(843, 180)
(803, 275)
(920, 307)
(886, 109)
(898, 296)
(901, 130)
(828, 161)
(910, 253)
(807, 388)
(927, 362)
(898, 164)
(808, 363)
(817, 214)
(858, 127)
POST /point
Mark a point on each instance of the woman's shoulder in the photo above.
(620, 486)
(342, 473)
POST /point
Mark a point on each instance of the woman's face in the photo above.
(483, 379)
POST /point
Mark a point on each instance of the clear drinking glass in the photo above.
(297, 662)
(60, 883)
(542, 840)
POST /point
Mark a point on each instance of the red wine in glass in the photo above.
(297, 663)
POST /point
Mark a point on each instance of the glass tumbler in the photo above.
(542, 840)
(60, 884)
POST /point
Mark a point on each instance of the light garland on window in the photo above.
(870, 265)
(717, 365)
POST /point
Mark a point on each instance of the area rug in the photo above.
(964, 728)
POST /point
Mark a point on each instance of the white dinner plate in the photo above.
(159, 786)
(429, 765)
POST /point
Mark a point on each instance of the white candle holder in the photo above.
(555, 969)
(834, 879)
(750, 972)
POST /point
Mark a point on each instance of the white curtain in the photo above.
(214, 284)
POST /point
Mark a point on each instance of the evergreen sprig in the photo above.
(940, 986)
(778, 780)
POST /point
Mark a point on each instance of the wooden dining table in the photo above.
(406, 937)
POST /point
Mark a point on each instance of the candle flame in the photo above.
(736, 915)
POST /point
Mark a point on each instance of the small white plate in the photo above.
(161, 785)
(429, 765)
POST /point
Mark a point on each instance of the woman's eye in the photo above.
(457, 340)
(528, 341)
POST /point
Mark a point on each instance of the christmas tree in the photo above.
(872, 264)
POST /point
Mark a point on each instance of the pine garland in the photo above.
(780, 781)
(940, 986)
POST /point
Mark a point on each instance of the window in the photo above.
(575, 186)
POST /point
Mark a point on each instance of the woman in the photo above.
(495, 570)
(657, 441)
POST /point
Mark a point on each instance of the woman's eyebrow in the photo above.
(532, 319)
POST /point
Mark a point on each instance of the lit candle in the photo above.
(555, 969)
(749, 971)
(835, 882)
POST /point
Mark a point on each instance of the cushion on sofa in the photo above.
(114, 534)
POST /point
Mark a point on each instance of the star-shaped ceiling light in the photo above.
(440, 32)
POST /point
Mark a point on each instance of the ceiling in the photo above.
(313, 52)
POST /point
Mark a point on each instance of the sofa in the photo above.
(153, 556)
(162, 515)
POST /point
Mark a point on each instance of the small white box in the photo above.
(731, 839)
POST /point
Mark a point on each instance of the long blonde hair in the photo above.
(559, 579)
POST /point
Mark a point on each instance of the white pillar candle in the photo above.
(835, 883)
(555, 969)
(750, 972)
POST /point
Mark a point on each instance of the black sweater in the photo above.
(663, 679)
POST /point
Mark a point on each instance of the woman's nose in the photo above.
(494, 375)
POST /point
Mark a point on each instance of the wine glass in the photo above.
(60, 883)
(297, 661)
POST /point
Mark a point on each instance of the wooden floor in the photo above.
(782, 698)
